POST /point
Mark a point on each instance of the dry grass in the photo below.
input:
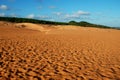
(61, 54)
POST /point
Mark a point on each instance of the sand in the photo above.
(58, 52)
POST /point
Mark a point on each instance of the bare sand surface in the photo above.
(58, 52)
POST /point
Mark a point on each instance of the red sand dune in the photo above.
(47, 52)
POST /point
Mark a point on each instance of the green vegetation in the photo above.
(73, 23)
(82, 23)
(22, 20)
(86, 24)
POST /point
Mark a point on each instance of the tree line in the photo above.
(24, 20)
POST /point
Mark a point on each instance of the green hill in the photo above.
(87, 24)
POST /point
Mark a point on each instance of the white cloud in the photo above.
(57, 13)
(51, 19)
(3, 7)
(43, 17)
(71, 16)
(82, 13)
(2, 14)
(13, 15)
(76, 15)
(31, 16)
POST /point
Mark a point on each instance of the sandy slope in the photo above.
(61, 54)
(32, 27)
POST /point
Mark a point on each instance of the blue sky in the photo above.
(105, 12)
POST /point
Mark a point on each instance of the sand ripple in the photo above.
(83, 54)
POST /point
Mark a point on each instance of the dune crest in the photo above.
(32, 27)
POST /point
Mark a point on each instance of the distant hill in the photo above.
(87, 24)
(82, 23)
